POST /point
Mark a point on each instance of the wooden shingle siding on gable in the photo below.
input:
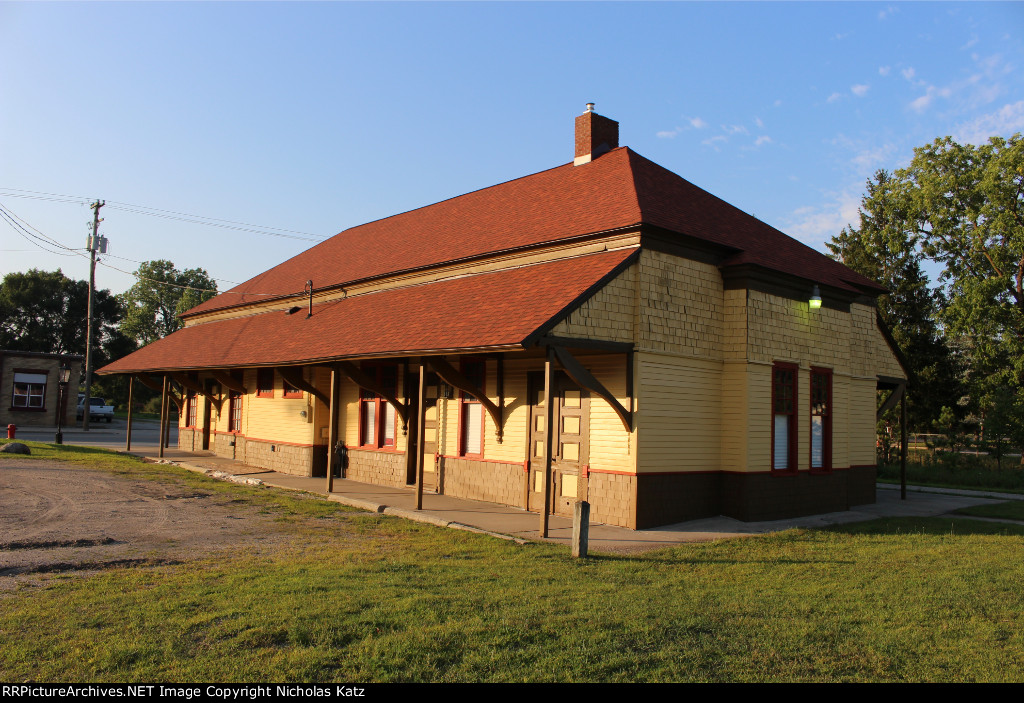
(609, 315)
(681, 306)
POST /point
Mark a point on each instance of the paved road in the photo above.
(145, 434)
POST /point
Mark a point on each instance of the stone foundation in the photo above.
(378, 468)
(283, 458)
(273, 456)
(483, 480)
(612, 499)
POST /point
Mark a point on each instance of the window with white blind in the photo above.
(821, 419)
(784, 417)
(29, 391)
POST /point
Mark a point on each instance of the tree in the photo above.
(46, 311)
(966, 203)
(884, 248)
(162, 293)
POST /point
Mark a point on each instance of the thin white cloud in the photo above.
(908, 73)
(816, 224)
(698, 123)
(832, 98)
(870, 158)
(763, 139)
(884, 70)
(713, 142)
(734, 129)
(890, 10)
(777, 103)
(759, 122)
(859, 90)
(669, 133)
(970, 42)
(1004, 122)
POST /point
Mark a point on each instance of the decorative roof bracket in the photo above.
(453, 377)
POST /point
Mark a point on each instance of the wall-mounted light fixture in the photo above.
(815, 302)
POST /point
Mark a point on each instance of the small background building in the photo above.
(29, 388)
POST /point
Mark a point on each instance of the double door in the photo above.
(570, 449)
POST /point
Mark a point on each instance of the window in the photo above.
(471, 412)
(235, 412)
(821, 419)
(264, 383)
(784, 417)
(191, 410)
(376, 415)
(29, 391)
(291, 391)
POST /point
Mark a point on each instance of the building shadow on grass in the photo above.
(943, 525)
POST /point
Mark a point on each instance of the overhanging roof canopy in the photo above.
(502, 309)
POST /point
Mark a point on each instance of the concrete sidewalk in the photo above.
(519, 525)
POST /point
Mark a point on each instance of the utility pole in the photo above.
(96, 242)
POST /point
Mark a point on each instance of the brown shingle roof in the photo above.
(619, 189)
(489, 310)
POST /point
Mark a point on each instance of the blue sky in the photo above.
(315, 117)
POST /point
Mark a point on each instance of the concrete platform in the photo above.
(519, 525)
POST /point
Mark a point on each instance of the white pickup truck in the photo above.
(98, 410)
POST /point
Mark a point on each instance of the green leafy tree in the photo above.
(966, 203)
(45, 311)
(162, 293)
(884, 248)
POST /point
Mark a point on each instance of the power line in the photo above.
(15, 223)
(169, 215)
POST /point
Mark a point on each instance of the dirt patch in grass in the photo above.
(57, 518)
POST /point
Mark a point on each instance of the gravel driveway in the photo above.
(57, 518)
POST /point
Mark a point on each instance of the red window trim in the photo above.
(826, 429)
(290, 391)
(793, 458)
(192, 411)
(467, 403)
(234, 400)
(377, 440)
(262, 392)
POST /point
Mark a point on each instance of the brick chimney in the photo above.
(595, 135)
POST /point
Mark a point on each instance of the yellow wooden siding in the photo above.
(735, 416)
(516, 414)
(607, 315)
(349, 415)
(681, 415)
(841, 389)
(863, 404)
(759, 418)
(277, 419)
(681, 306)
(612, 448)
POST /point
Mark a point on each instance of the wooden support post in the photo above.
(163, 416)
(332, 428)
(549, 437)
(903, 446)
(580, 529)
(421, 397)
(128, 438)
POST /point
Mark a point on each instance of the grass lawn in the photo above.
(947, 470)
(1010, 510)
(373, 598)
